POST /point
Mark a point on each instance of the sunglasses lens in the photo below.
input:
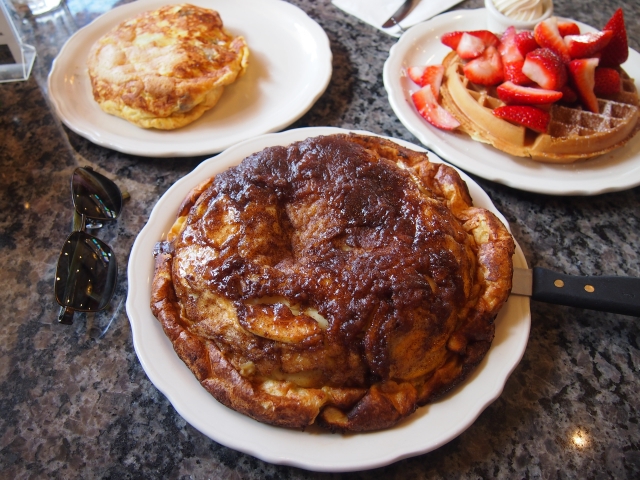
(95, 196)
(86, 274)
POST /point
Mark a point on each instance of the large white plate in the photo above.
(421, 45)
(429, 428)
(289, 68)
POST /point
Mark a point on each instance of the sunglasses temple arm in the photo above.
(78, 222)
(65, 316)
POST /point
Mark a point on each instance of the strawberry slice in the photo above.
(431, 111)
(486, 69)
(547, 35)
(617, 51)
(433, 77)
(531, 117)
(606, 81)
(488, 38)
(508, 48)
(452, 39)
(582, 73)
(587, 44)
(512, 59)
(568, 28)
(545, 68)
(513, 72)
(526, 42)
(569, 95)
(470, 46)
(429, 75)
(513, 94)
(415, 74)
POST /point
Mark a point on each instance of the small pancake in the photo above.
(164, 68)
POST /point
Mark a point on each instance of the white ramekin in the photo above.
(498, 23)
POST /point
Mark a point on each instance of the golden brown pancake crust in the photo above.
(164, 68)
(343, 280)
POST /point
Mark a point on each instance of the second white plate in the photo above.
(430, 427)
(421, 45)
(289, 68)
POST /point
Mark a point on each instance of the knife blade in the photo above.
(399, 15)
(611, 294)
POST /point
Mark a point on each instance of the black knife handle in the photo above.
(604, 293)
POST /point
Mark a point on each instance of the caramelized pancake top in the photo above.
(343, 279)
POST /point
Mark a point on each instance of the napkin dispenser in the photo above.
(16, 58)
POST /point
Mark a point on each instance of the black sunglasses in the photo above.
(87, 270)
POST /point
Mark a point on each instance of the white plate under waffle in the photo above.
(420, 45)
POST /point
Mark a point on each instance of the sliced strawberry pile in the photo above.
(531, 70)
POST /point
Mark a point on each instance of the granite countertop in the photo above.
(76, 402)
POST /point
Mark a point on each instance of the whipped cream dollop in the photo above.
(522, 10)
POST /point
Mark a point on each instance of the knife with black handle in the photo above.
(603, 293)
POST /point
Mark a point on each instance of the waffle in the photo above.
(573, 135)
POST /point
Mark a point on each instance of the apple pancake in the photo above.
(343, 280)
(164, 68)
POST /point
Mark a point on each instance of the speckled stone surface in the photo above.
(76, 403)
